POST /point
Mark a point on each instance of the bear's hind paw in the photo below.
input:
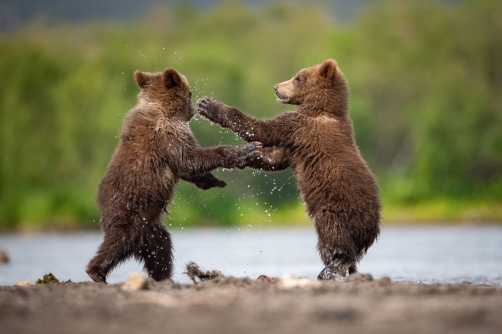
(97, 277)
(333, 272)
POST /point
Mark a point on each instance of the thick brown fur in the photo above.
(155, 151)
(317, 142)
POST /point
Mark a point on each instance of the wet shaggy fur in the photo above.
(317, 142)
(155, 151)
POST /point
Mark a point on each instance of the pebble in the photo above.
(22, 283)
(4, 257)
(136, 281)
(288, 281)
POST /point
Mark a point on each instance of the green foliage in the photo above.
(438, 84)
(426, 97)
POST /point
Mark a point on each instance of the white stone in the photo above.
(22, 283)
(136, 281)
(288, 281)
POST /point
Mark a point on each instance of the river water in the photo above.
(420, 254)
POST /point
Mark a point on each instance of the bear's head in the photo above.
(316, 85)
(169, 89)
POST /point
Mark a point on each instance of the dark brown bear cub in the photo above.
(317, 142)
(156, 149)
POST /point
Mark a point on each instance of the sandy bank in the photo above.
(231, 305)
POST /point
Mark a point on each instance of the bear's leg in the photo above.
(337, 251)
(117, 246)
(156, 251)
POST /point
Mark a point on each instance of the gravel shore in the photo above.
(241, 305)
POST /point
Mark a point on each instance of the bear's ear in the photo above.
(142, 79)
(328, 69)
(171, 78)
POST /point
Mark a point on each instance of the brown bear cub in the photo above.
(155, 150)
(317, 142)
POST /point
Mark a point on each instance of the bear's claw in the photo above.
(249, 152)
(253, 149)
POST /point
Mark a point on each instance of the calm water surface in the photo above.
(420, 254)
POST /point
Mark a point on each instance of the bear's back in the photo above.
(143, 168)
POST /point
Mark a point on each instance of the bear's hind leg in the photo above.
(156, 251)
(116, 248)
(337, 248)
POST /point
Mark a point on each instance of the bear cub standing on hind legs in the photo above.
(317, 142)
(156, 149)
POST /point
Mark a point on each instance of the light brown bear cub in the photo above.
(155, 151)
(317, 142)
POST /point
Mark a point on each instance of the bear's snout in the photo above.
(281, 93)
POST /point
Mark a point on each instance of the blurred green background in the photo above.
(426, 101)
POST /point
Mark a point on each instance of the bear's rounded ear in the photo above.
(328, 68)
(171, 78)
(141, 78)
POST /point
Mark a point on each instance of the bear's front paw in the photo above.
(253, 150)
(249, 152)
(212, 109)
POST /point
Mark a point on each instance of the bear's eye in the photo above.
(298, 79)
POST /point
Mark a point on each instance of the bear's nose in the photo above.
(275, 87)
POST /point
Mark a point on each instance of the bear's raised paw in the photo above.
(212, 109)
